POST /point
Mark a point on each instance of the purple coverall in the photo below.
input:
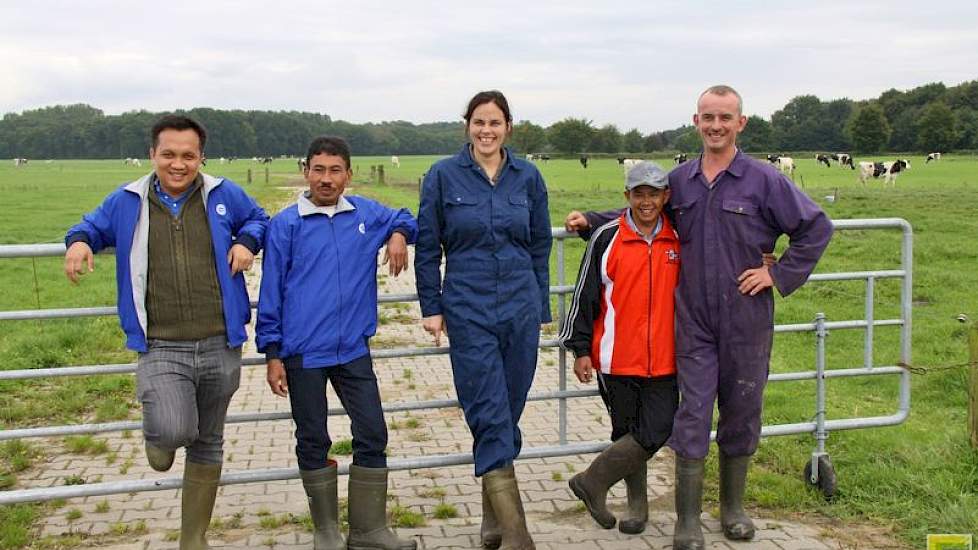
(723, 338)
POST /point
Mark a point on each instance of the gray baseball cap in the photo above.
(646, 173)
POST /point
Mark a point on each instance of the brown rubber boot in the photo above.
(199, 492)
(636, 484)
(737, 525)
(491, 534)
(320, 486)
(368, 512)
(504, 495)
(689, 505)
(591, 486)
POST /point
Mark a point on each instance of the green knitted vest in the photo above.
(183, 298)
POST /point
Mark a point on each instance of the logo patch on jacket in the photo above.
(672, 256)
(221, 209)
(362, 228)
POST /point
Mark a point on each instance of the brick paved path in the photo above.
(255, 515)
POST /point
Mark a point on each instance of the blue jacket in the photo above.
(486, 232)
(122, 221)
(318, 296)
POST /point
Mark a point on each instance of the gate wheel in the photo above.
(826, 476)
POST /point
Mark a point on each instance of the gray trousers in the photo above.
(185, 388)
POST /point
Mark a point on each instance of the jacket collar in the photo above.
(666, 233)
(308, 208)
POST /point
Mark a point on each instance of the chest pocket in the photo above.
(465, 215)
(741, 219)
(686, 213)
(518, 217)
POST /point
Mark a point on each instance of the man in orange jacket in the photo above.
(620, 326)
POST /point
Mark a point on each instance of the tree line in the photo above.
(932, 117)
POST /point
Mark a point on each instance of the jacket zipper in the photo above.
(648, 325)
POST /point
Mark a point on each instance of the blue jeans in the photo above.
(185, 388)
(356, 386)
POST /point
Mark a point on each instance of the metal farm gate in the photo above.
(819, 470)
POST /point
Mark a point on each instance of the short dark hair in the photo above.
(329, 145)
(178, 122)
(488, 96)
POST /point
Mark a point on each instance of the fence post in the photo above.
(266, 174)
(380, 174)
(973, 386)
(249, 176)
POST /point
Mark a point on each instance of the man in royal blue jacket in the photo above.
(182, 240)
(316, 312)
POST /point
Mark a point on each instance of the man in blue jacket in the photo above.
(316, 312)
(182, 240)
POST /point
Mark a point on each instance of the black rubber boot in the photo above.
(636, 484)
(689, 505)
(197, 503)
(737, 525)
(368, 512)
(504, 495)
(320, 486)
(591, 486)
(491, 534)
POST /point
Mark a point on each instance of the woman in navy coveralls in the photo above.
(486, 211)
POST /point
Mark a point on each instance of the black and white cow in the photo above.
(621, 161)
(584, 160)
(785, 164)
(265, 160)
(890, 170)
(18, 162)
(933, 156)
(823, 159)
(844, 159)
(679, 158)
(302, 164)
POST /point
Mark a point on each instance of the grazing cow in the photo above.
(893, 169)
(785, 164)
(302, 164)
(933, 156)
(395, 161)
(890, 170)
(18, 162)
(679, 158)
(544, 158)
(621, 161)
(132, 162)
(823, 159)
(265, 160)
(529, 157)
(844, 159)
(584, 160)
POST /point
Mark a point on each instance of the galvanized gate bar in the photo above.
(820, 426)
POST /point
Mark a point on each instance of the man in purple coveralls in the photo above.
(730, 209)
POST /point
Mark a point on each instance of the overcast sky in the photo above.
(633, 64)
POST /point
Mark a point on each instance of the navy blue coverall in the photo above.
(723, 338)
(496, 240)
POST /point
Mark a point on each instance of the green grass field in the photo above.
(917, 478)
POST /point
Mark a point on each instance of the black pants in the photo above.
(643, 407)
(356, 386)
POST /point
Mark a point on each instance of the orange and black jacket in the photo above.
(623, 306)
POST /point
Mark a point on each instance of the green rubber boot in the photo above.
(490, 533)
(320, 486)
(689, 505)
(368, 512)
(636, 485)
(737, 525)
(504, 494)
(591, 486)
(199, 492)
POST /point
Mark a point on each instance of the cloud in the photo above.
(628, 63)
